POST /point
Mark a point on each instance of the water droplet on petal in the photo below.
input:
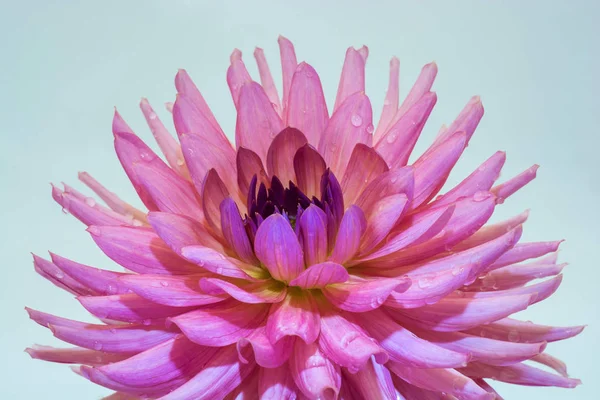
(164, 283)
(90, 201)
(144, 155)
(481, 195)
(425, 282)
(513, 336)
(219, 270)
(65, 211)
(386, 102)
(370, 128)
(111, 289)
(391, 137)
(356, 120)
(180, 161)
(137, 222)
(146, 322)
(457, 270)
(113, 330)
(97, 346)
(59, 274)
(152, 116)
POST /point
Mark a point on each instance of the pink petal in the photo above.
(281, 154)
(237, 76)
(269, 291)
(345, 343)
(467, 121)
(297, 315)
(320, 275)
(288, 67)
(266, 80)
(214, 192)
(390, 104)
(307, 109)
(186, 87)
(482, 349)
(215, 262)
(520, 374)
(509, 187)
(491, 232)
(365, 165)
(309, 167)
(441, 380)
(372, 382)
(266, 354)
(353, 77)
(349, 235)
(525, 251)
(57, 276)
(249, 164)
(276, 384)
(421, 86)
(74, 355)
(277, 247)
(399, 140)
(257, 122)
(361, 295)
(432, 169)
(348, 126)
(221, 375)
(234, 231)
(176, 291)
(312, 226)
(222, 323)
(396, 181)
(406, 348)
(179, 231)
(139, 250)
(515, 275)
(552, 362)
(313, 373)
(383, 217)
(128, 308)
(167, 143)
(524, 332)
(457, 313)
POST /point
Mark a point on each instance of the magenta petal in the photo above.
(421, 86)
(524, 332)
(390, 104)
(309, 167)
(276, 383)
(277, 247)
(139, 250)
(312, 233)
(269, 291)
(383, 217)
(266, 354)
(221, 375)
(395, 181)
(297, 315)
(185, 86)
(307, 109)
(520, 374)
(257, 121)
(176, 291)
(441, 380)
(74, 355)
(281, 153)
(406, 348)
(237, 76)
(234, 231)
(507, 188)
(214, 192)
(288, 67)
(314, 374)
(353, 76)
(348, 126)
(321, 275)
(467, 121)
(249, 164)
(215, 262)
(365, 165)
(552, 362)
(349, 235)
(345, 343)
(492, 231)
(361, 295)
(128, 308)
(266, 79)
(373, 381)
(57, 276)
(525, 251)
(221, 324)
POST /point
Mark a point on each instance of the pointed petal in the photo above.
(406, 348)
(281, 154)
(139, 250)
(234, 231)
(383, 217)
(348, 238)
(249, 164)
(365, 165)
(395, 181)
(309, 167)
(509, 187)
(520, 374)
(353, 77)
(307, 109)
(268, 355)
(74, 355)
(399, 140)
(221, 324)
(467, 121)
(513, 330)
(390, 104)
(514, 276)
(525, 251)
(361, 295)
(277, 247)
(313, 373)
(288, 67)
(186, 87)
(372, 382)
(318, 276)
(348, 126)
(492, 231)
(269, 291)
(214, 192)
(257, 122)
(297, 315)
(552, 362)
(266, 79)
(312, 226)
(215, 262)
(56, 276)
(237, 76)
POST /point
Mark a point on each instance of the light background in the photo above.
(65, 64)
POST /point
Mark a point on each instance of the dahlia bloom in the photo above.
(309, 260)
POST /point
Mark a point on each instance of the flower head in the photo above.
(309, 260)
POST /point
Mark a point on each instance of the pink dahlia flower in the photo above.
(309, 260)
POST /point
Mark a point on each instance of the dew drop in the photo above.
(356, 120)
(370, 128)
(137, 222)
(59, 274)
(65, 211)
(113, 330)
(481, 196)
(457, 270)
(180, 161)
(145, 155)
(90, 202)
(513, 336)
(111, 289)
(152, 116)
(146, 322)
(425, 282)
(164, 283)
(391, 137)
(220, 270)
(387, 102)
(97, 346)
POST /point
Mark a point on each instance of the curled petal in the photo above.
(277, 247)
(361, 295)
(276, 383)
(221, 324)
(313, 373)
(384, 215)
(249, 164)
(312, 226)
(320, 275)
(267, 354)
(552, 362)
(297, 315)
(214, 192)
(365, 165)
(269, 291)
(372, 382)
(491, 232)
(309, 167)
(281, 153)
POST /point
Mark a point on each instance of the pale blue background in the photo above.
(66, 64)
